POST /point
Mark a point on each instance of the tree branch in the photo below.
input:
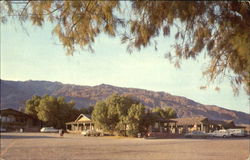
(25, 7)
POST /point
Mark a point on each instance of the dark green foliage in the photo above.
(119, 114)
(51, 110)
(31, 106)
(136, 115)
(102, 119)
(165, 113)
(125, 116)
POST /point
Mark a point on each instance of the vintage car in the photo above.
(220, 133)
(237, 132)
(196, 134)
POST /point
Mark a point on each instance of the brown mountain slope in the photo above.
(14, 93)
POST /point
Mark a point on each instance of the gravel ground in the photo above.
(43, 146)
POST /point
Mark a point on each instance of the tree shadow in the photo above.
(23, 137)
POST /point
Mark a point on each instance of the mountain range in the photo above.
(15, 93)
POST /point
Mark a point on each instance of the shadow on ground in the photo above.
(23, 137)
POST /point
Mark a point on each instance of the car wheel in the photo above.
(224, 136)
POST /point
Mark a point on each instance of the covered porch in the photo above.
(82, 123)
(163, 128)
(78, 127)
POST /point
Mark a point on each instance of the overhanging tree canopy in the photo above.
(220, 30)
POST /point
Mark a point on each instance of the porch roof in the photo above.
(211, 121)
(163, 120)
(79, 122)
(81, 119)
(239, 127)
(10, 111)
(189, 121)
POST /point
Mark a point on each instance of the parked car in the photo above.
(49, 130)
(220, 133)
(196, 134)
(237, 132)
(91, 133)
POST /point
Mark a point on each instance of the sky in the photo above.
(34, 53)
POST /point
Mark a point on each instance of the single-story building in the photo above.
(13, 120)
(83, 122)
(204, 124)
(162, 127)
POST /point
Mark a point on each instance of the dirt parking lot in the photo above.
(42, 146)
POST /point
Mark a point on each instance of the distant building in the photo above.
(162, 128)
(13, 120)
(83, 122)
(179, 126)
(204, 124)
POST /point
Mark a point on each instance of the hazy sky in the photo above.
(39, 56)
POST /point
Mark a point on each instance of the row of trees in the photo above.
(125, 116)
(117, 114)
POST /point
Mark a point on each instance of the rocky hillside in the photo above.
(14, 94)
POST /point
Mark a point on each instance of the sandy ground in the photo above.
(42, 146)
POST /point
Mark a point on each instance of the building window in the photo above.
(7, 119)
(156, 125)
(11, 118)
(3, 119)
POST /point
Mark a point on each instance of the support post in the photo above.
(202, 127)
